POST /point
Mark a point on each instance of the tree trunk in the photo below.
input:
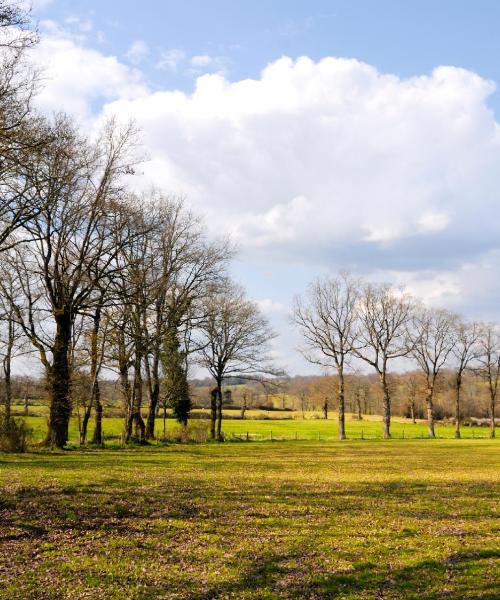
(325, 408)
(96, 393)
(386, 405)
(153, 376)
(458, 388)
(94, 387)
(219, 412)
(243, 406)
(85, 423)
(135, 417)
(358, 405)
(8, 384)
(341, 391)
(213, 412)
(125, 387)
(154, 402)
(412, 411)
(7, 364)
(164, 420)
(26, 404)
(430, 410)
(492, 414)
(59, 382)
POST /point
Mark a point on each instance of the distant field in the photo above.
(279, 428)
(355, 520)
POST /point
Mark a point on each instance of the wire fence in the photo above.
(470, 433)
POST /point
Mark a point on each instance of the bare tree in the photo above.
(465, 349)
(384, 317)
(11, 335)
(410, 385)
(186, 264)
(233, 341)
(327, 320)
(72, 247)
(356, 384)
(432, 340)
(21, 131)
(489, 360)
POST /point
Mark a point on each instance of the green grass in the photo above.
(282, 429)
(303, 520)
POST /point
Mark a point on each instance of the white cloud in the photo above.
(171, 59)
(380, 160)
(328, 164)
(269, 307)
(433, 221)
(76, 78)
(36, 5)
(137, 52)
(83, 25)
(202, 60)
(204, 63)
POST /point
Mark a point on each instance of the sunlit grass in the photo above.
(279, 428)
(304, 520)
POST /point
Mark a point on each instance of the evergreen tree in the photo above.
(176, 383)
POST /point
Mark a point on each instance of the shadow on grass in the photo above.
(269, 577)
(138, 517)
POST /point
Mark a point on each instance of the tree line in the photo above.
(345, 321)
(96, 277)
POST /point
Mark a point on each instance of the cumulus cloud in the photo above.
(328, 164)
(333, 154)
(77, 78)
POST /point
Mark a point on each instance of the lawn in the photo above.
(360, 519)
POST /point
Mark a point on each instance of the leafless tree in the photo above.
(465, 349)
(326, 319)
(233, 341)
(489, 361)
(185, 264)
(12, 341)
(432, 340)
(358, 389)
(410, 386)
(384, 316)
(72, 246)
(21, 130)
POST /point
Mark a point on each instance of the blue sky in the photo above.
(378, 151)
(405, 38)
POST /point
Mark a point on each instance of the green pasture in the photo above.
(277, 428)
(408, 519)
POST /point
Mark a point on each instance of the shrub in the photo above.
(14, 435)
(194, 432)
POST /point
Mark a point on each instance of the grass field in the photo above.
(354, 520)
(279, 428)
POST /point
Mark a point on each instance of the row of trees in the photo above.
(98, 278)
(344, 320)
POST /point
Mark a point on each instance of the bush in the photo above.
(14, 435)
(194, 432)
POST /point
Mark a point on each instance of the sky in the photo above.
(319, 135)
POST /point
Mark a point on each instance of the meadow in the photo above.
(304, 520)
(271, 425)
